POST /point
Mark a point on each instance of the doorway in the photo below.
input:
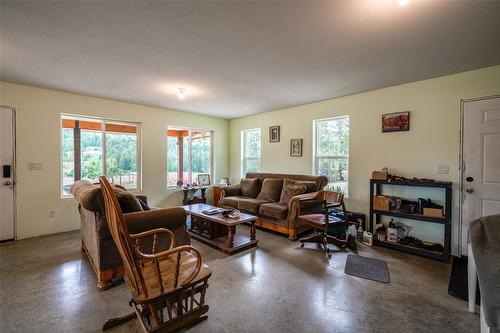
(7, 174)
(480, 169)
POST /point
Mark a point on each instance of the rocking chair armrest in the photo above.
(165, 253)
(155, 233)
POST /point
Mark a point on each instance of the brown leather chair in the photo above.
(97, 242)
(323, 221)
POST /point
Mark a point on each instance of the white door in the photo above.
(481, 162)
(7, 229)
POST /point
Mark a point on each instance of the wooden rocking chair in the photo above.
(168, 287)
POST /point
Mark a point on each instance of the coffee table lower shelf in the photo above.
(240, 242)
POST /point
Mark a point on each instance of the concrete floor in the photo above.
(47, 286)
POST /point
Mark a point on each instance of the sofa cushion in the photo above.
(232, 201)
(310, 185)
(290, 191)
(250, 187)
(274, 210)
(251, 205)
(271, 189)
(320, 181)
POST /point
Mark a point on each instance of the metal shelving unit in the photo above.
(375, 189)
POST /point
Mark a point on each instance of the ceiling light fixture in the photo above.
(182, 93)
(403, 2)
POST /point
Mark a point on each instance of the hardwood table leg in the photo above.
(252, 230)
(230, 235)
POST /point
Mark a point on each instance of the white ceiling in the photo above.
(240, 58)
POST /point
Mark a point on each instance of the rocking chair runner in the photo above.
(168, 287)
(321, 223)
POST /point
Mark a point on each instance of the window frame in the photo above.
(190, 158)
(103, 122)
(244, 158)
(316, 149)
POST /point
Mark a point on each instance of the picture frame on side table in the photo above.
(296, 147)
(203, 179)
(274, 134)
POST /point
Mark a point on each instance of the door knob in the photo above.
(469, 190)
(6, 183)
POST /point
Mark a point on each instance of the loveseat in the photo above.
(97, 242)
(260, 194)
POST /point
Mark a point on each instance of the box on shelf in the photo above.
(433, 212)
(381, 202)
(380, 175)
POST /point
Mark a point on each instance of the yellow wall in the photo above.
(38, 140)
(433, 137)
(432, 140)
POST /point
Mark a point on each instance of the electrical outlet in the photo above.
(443, 169)
(52, 213)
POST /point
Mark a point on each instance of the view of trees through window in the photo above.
(250, 151)
(184, 145)
(120, 163)
(332, 152)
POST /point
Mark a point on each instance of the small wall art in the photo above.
(396, 122)
(274, 134)
(296, 147)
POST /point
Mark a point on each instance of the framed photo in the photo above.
(396, 122)
(296, 147)
(203, 179)
(224, 181)
(274, 134)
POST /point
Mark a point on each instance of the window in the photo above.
(250, 151)
(93, 147)
(331, 151)
(189, 153)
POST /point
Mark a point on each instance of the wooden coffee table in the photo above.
(220, 232)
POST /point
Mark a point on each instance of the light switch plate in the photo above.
(443, 169)
(35, 166)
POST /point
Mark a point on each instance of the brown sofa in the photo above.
(97, 242)
(262, 198)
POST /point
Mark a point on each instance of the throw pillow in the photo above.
(128, 202)
(144, 205)
(250, 187)
(271, 190)
(310, 186)
(289, 191)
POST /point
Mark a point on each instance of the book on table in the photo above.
(213, 211)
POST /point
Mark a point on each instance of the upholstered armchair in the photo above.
(97, 242)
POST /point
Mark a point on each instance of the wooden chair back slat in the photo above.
(119, 232)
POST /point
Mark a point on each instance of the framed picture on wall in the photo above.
(274, 134)
(396, 122)
(296, 147)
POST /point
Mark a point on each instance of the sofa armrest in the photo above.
(230, 191)
(173, 219)
(295, 204)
